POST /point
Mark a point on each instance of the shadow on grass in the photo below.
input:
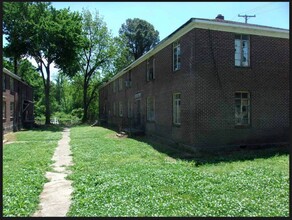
(213, 156)
(51, 127)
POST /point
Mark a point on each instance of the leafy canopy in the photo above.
(141, 36)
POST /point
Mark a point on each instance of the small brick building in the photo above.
(17, 102)
(212, 82)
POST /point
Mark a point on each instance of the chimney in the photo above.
(220, 17)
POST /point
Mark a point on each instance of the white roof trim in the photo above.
(14, 76)
(205, 24)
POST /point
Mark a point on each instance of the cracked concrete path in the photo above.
(55, 199)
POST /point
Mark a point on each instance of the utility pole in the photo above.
(246, 16)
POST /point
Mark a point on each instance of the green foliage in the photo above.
(126, 177)
(24, 167)
(98, 51)
(47, 35)
(140, 34)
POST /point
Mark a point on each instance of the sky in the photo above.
(166, 17)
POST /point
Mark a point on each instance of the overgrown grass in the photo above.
(126, 177)
(24, 165)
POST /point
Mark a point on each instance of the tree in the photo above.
(53, 37)
(141, 36)
(98, 50)
(15, 26)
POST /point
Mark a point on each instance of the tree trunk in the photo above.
(47, 97)
(85, 109)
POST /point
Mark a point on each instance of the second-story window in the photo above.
(128, 81)
(114, 86)
(242, 50)
(176, 56)
(120, 83)
(150, 69)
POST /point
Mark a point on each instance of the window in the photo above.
(242, 108)
(176, 108)
(130, 109)
(242, 49)
(128, 83)
(114, 86)
(150, 109)
(11, 85)
(176, 56)
(120, 109)
(11, 110)
(150, 69)
(4, 110)
(120, 84)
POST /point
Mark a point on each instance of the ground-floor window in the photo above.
(120, 109)
(4, 110)
(176, 108)
(11, 110)
(150, 108)
(242, 108)
(130, 109)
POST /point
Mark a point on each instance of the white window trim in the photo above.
(248, 111)
(176, 117)
(241, 51)
(176, 45)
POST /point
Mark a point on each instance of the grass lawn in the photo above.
(130, 177)
(25, 163)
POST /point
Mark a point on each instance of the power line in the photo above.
(253, 9)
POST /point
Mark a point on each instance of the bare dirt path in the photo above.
(55, 199)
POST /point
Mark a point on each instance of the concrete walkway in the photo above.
(55, 199)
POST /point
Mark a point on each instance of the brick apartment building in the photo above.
(212, 82)
(17, 102)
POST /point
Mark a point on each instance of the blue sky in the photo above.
(166, 17)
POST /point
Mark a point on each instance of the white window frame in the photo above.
(4, 110)
(176, 56)
(240, 103)
(121, 109)
(176, 106)
(148, 69)
(150, 108)
(239, 53)
(12, 106)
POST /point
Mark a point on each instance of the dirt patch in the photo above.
(9, 137)
(116, 136)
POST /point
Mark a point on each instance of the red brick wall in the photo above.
(207, 91)
(21, 92)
